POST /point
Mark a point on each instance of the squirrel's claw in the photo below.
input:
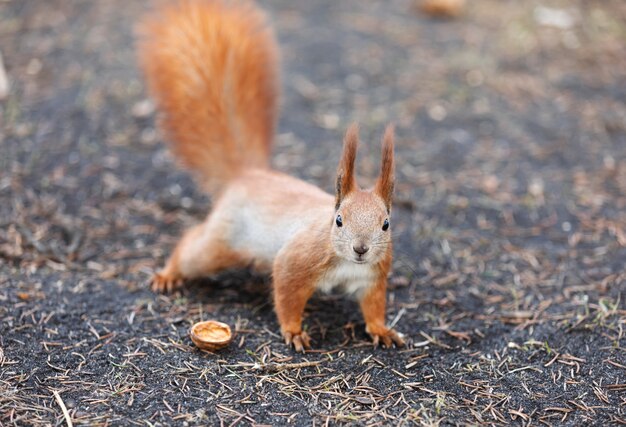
(300, 341)
(163, 283)
(388, 337)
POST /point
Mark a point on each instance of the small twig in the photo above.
(397, 318)
(66, 414)
(274, 367)
(434, 341)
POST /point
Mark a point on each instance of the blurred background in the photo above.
(501, 96)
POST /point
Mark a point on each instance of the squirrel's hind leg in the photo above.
(202, 251)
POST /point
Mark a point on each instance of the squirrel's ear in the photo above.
(346, 182)
(386, 180)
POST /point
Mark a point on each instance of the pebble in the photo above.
(143, 109)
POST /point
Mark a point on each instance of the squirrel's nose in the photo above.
(361, 249)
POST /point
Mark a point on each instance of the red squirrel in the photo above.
(211, 67)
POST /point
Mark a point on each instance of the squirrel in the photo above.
(211, 68)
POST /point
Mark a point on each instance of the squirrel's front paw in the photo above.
(165, 283)
(300, 340)
(385, 335)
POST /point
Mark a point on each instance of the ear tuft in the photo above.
(346, 183)
(386, 180)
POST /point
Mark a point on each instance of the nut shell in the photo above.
(211, 335)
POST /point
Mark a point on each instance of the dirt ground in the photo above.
(510, 222)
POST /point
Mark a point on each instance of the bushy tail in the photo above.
(211, 67)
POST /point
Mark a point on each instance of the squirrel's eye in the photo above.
(386, 225)
(338, 221)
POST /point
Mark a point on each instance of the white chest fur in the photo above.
(352, 278)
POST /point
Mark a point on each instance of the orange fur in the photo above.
(211, 67)
(386, 180)
(346, 182)
(295, 272)
(373, 308)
